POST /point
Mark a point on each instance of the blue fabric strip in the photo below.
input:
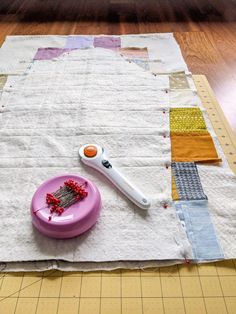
(196, 220)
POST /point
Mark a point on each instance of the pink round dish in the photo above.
(75, 220)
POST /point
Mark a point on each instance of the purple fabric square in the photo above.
(49, 53)
(78, 42)
(107, 42)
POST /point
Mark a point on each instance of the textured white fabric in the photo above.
(22, 49)
(164, 53)
(219, 185)
(49, 113)
(53, 107)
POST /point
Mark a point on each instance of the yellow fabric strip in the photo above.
(3, 79)
(175, 195)
(187, 120)
(196, 146)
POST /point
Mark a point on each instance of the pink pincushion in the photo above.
(75, 220)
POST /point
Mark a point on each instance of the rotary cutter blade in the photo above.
(94, 156)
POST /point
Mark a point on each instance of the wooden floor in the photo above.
(205, 30)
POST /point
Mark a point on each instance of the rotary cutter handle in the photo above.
(94, 156)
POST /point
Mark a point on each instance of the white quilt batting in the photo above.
(64, 91)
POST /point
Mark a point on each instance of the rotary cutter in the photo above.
(95, 156)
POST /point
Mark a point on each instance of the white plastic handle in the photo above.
(101, 163)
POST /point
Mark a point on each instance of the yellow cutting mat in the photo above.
(182, 289)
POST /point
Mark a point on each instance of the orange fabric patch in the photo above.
(195, 146)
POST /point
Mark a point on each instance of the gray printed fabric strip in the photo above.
(187, 181)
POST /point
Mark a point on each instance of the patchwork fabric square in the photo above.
(138, 56)
(108, 42)
(178, 81)
(196, 220)
(187, 120)
(187, 181)
(195, 147)
(79, 42)
(50, 53)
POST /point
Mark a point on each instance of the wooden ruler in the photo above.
(226, 136)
